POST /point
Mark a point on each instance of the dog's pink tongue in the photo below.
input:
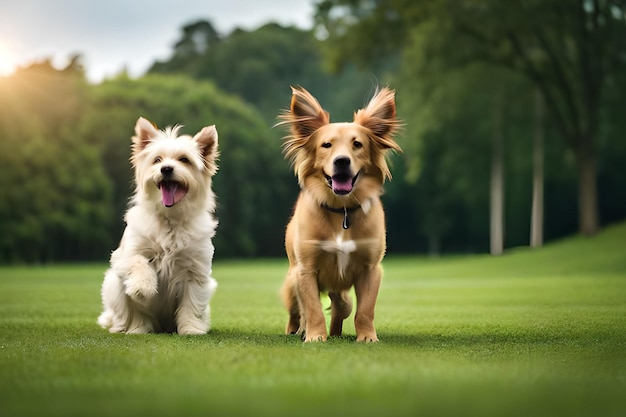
(342, 185)
(171, 193)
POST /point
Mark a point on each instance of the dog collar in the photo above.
(343, 210)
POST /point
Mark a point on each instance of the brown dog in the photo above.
(336, 237)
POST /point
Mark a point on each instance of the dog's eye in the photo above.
(157, 160)
(184, 160)
(326, 145)
(357, 144)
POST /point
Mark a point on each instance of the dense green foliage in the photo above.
(569, 52)
(260, 65)
(56, 197)
(64, 144)
(539, 333)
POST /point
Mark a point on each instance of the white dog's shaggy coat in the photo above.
(160, 275)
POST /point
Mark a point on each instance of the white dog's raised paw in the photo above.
(140, 290)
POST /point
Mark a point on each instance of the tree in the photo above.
(568, 49)
(465, 113)
(536, 217)
(55, 194)
(199, 39)
(497, 188)
(260, 65)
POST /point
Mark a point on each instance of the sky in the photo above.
(117, 35)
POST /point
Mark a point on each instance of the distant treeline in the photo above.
(65, 144)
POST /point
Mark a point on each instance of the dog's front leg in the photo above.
(366, 289)
(140, 281)
(192, 315)
(309, 298)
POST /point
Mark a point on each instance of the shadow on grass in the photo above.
(394, 340)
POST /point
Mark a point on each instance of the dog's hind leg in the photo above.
(120, 313)
(112, 300)
(290, 300)
(341, 307)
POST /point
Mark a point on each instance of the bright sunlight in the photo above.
(7, 62)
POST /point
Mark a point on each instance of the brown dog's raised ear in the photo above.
(379, 116)
(306, 115)
(145, 131)
(207, 141)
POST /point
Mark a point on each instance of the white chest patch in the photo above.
(342, 249)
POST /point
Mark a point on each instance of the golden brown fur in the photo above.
(341, 168)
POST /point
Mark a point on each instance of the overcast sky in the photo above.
(112, 35)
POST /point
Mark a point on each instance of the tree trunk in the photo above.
(497, 180)
(434, 245)
(588, 217)
(536, 218)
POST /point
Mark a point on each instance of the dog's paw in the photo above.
(141, 289)
(141, 283)
(190, 330)
(315, 338)
(141, 329)
(367, 338)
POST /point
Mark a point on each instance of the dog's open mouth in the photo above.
(171, 192)
(342, 184)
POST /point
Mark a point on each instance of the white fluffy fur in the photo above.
(160, 275)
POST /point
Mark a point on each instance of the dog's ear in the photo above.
(144, 132)
(379, 116)
(207, 141)
(306, 115)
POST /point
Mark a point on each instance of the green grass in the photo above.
(531, 333)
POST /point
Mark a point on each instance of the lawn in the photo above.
(530, 333)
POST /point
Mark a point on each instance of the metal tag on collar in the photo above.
(346, 221)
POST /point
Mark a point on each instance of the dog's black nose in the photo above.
(167, 170)
(341, 162)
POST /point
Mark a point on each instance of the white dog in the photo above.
(160, 275)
